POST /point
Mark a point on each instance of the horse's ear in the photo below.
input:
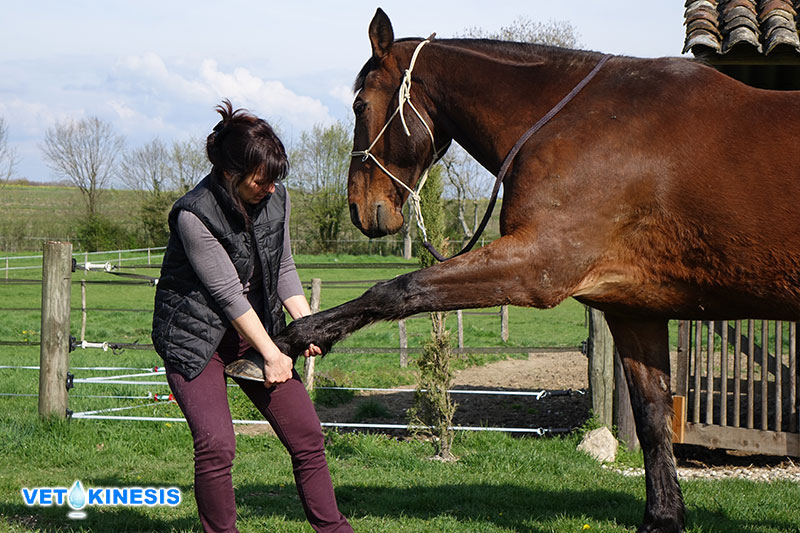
(381, 34)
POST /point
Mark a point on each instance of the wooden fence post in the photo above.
(623, 411)
(460, 319)
(504, 323)
(601, 368)
(54, 352)
(401, 327)
(308, 367)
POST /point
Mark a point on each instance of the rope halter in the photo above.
(403, 97)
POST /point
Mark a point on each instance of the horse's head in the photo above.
(395, 136)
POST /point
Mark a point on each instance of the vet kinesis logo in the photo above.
(78, 498)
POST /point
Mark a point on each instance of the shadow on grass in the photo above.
(110, 519)
(116, 519)
(507, 506)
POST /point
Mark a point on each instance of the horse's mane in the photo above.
(505, 51)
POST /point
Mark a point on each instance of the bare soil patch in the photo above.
(563, 375)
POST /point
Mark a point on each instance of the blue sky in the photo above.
(156, 69)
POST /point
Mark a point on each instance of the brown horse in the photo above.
(663, 190)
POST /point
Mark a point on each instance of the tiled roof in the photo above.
(763, 26)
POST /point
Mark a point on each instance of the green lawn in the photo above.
(500, 484)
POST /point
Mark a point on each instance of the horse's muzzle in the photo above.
(379, 221)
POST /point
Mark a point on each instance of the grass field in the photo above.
(30, 213)
(500, 484)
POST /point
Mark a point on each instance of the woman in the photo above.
(226, 276)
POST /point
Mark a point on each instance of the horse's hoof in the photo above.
(250, 366)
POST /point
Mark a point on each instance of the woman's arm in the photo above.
(297, 306)
(290, 291)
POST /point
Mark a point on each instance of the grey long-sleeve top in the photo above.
(216, 271)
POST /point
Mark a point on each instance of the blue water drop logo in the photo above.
(76, 498)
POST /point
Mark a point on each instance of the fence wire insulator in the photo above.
(96, 267)
(70, 380)
(100, 345)
(163, 397)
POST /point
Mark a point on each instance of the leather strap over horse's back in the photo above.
(510, 158)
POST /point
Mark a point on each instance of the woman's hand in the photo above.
(312, 351)
(277, 367)
(298, 307)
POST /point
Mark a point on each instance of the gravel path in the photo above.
(789, 472)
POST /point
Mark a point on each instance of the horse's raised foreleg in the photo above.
(644, 349)
(497, 274)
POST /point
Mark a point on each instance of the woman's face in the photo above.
(255, 188)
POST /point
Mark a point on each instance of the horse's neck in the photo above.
(487, 102)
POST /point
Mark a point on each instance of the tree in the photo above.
(83, 152)
(8, 156)
(433, 406)
(525, 30)
(146, 168)
(188, 164)
(468, 182)
(319, 167)
(162, 175)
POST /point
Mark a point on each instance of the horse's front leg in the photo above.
(644, 349)
(504, 272)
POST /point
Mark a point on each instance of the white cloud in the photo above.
(150, 81)
(29, 118)
(343, 94)
(143, 96)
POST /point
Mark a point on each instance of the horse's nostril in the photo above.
(354, 215)
(380, 215)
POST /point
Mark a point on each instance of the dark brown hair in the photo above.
(243, 144)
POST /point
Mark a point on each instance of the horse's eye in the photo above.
(359, 108)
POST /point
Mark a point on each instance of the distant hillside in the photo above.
(31, 213)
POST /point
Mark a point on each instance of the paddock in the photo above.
(150, 446)
(126, 272)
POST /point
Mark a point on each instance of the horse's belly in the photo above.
(680, 300)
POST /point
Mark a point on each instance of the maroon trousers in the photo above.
(287, 407)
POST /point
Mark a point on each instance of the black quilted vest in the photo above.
(188, 324)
